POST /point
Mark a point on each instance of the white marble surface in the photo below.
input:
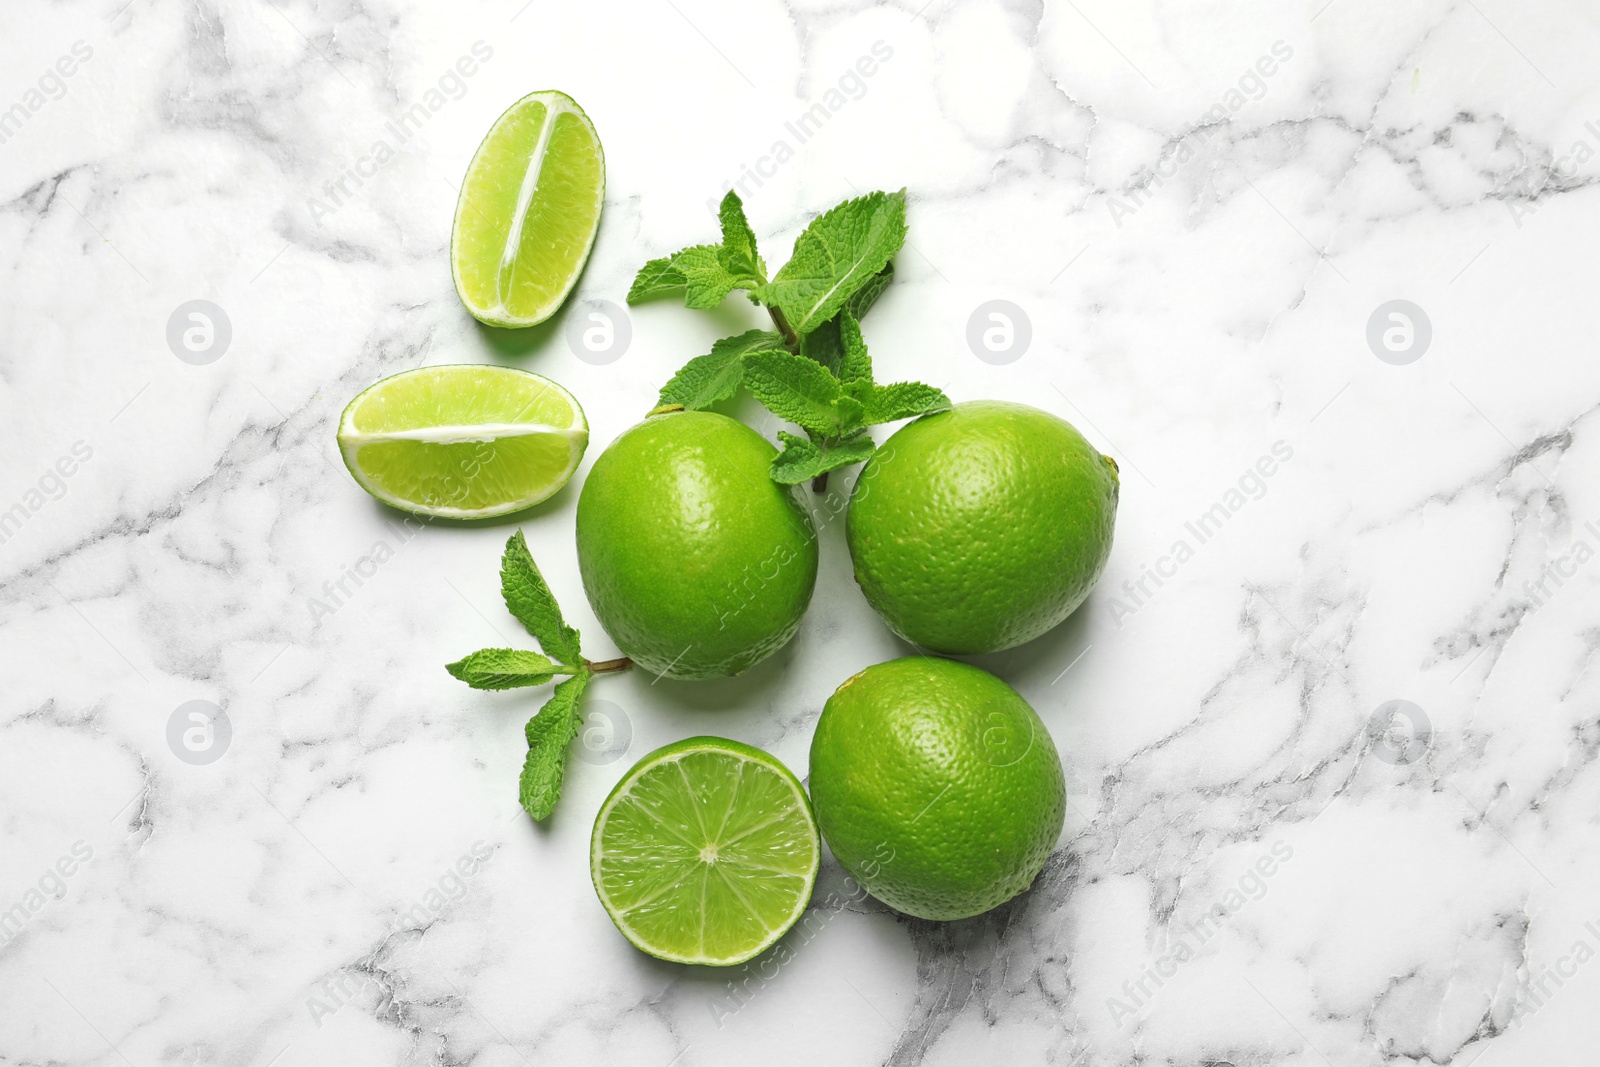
(296, 901)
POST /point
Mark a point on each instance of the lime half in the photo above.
(705, 852)
(463, 442)
(528, 211)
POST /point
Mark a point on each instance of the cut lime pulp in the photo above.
(705, 852)
(463, 442)
(528, 211)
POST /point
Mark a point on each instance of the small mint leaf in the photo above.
(738, 254)
(503, 668)
(825, 344)
(852, 415)
(822, 345)
(530, 600)
(706, 289)
(902, 400)
(715, 376)
(795, 388)
(862, 299)
(549, 733)
(856, 449)
(855, 365)
(707, 273)
(837, 255)
(698, 271)
(802, 460)
(672, 272)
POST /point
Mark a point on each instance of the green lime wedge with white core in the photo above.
(706, 852)
(463, 442)
(528, 211)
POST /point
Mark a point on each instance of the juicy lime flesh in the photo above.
(706, 852)
(980, 528)
(528, 212)
(936, 786)
(463, 441)
(697, 564)
(463, 396)
(469, 476)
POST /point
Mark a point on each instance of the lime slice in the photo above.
(528, 212)
(463, 442)
(705, 852)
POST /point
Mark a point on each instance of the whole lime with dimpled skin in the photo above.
(982, 527)
(936, 786)
(695, 561)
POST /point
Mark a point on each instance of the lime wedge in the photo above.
(528, 212)
(463, 442)
(705, 852)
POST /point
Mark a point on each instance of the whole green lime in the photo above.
(981, 527)
(936, 786)
(695, 561)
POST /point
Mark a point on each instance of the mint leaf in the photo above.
(837, 255)
(698, 271)
(802, 460)
(549, 733)
(707, 273)
(822, 345)
(825, 343)
(879, 403)
(738, 254)
(706, 289)
(530, 600)
(902, 400)
(563, 699)
(796, 388)
(503, 668)
(854, 363)
(706, 379)
(672, 272)
(861, 301)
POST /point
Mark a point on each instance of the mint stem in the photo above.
(608, 666)
(791, 340)
(819, 484)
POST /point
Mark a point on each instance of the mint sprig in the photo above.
(551, 731)
(707, 273)
(814, 369)
(835, 411)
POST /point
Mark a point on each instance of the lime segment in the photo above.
(705, 852)
(528, 211)
(463, 442)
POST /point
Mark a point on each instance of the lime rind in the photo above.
(556, 104)
(671, 836)
(514, 437)
(695, 562)
(936, 786)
